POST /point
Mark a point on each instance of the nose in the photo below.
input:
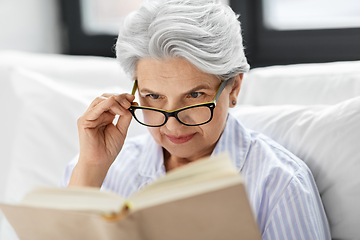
(173, 124)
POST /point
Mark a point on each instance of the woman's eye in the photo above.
(154, 96)
(195, 94)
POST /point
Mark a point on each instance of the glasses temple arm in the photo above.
(218, 93)
(134, 88)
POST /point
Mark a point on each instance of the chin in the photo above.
(189, 150)
(186, 150)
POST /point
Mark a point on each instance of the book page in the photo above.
(80, 199)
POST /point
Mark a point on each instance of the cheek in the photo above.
(157, 135)
(219, 118)
(155, 132)
(220, 111)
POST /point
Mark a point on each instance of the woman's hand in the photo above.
(101, 140)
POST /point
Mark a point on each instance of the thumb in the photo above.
(123, 123)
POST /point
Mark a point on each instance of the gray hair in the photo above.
(204, 32)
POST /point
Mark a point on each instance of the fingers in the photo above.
(123, 123)
(104, 120)
(119, 98)
(103, 109)
(115, 104)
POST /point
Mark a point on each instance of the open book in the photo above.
(205, 199)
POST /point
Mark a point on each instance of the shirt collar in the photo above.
(235, 140)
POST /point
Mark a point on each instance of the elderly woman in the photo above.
(187, 62)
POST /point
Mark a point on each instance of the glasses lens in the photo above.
(195, 115)
(149, 117)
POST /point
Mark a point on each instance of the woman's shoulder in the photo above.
(274, 155)
(281, 187)
(272, 165)
(265, 163)
(253, 151)
(277, 181)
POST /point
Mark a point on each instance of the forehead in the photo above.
(175, 72)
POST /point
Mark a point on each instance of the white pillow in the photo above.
(301, 84)
(96, 71)
(81, 71)
(8, 105)
(45, 137)
(327, 138)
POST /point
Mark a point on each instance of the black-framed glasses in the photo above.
(193, 115)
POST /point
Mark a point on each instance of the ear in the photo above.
(235, 89)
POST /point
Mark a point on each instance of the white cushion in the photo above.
(46, 137)
(8, 105)
(79, 71)
(76, 70)
(301, 84)
(96, 71)
(327, 138)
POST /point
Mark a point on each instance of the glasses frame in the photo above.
(174, 113)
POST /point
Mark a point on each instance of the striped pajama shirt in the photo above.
(280, 187)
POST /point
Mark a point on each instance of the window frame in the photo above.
(77, 42)
(266, 47)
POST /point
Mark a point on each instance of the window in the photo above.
(311, 14)
(105, 17)
(275, 31)
(278, 32)
(91, 26)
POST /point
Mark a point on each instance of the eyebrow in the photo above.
(200, 87)
(197, 88)
(145, 90)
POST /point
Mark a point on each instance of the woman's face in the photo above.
(173, 84)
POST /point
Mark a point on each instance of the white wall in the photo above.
(30, 25)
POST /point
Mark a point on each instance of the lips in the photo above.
(180, 139)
